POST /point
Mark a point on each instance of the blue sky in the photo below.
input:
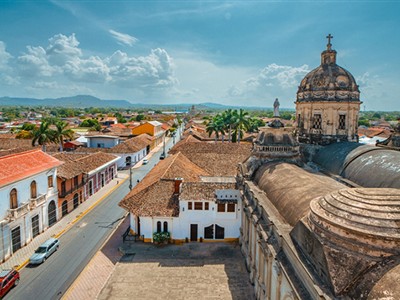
(228, 52)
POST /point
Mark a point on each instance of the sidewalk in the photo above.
(21, 257)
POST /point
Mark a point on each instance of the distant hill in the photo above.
(80, 101)
(84, 101)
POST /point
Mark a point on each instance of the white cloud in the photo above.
(34, 63)
(284, 76)
(272, 81)
(93, 69)
(63, 49)
(153, 71)
(4, 56)
(123, 38)
(63, 57)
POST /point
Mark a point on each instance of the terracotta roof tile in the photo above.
(71, 166)
(96, 160)
(218, 159)
(15, 167)
(203, 190)
(131, 145)
(11, 143)
(154, 194)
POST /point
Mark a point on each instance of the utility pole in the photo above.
(164, 145)
(130, 177)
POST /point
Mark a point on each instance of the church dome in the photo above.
(328, 82)
(360, 220)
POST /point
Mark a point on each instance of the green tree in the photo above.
(140, 117)
(241, 123)
(254, 124)
(43, 135)
(62, 131)
(229, 118)
(91, 123)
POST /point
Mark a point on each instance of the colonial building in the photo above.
(153, 128)
(190, 202)
(28, 193)
(328, 102)
(83, 175)
(324, 226)
(132, 150)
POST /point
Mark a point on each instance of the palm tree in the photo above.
(229, 120)
(62, 132)
(241, 122)
(43, 135)
(212, 127)
(220, 125)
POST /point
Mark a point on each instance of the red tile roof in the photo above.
(153, 196)
(18, 166)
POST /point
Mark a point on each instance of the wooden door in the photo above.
(193, 232)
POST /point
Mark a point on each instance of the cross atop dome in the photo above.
(329, 46)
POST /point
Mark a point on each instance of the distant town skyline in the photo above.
(168, 52)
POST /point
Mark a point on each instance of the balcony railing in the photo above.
(64, 193)
(39, 200)
(15, 213)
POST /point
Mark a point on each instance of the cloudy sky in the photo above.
(228, 52)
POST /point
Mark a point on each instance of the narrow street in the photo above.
(78, 245)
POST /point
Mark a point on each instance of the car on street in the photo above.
(145, 161)
(44, 251)
(162, 156)
(8, 279)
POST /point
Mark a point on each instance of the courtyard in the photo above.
(188, 271)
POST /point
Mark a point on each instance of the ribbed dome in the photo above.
(361, 220)
(328, 82)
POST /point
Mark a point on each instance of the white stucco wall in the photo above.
(108, 142)
(135, 158)
(24, 221)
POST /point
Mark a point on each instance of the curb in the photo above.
(78, 217)
(70, 288)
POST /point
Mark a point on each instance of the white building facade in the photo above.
(28, 190)
(214, 214)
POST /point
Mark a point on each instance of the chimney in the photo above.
(178, 182)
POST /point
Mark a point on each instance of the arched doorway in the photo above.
(52, 213)
(76, 200)
(64, 208)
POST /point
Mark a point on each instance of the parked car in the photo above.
(8, 279)
(162, 156)
(44, 251)
(145, 161)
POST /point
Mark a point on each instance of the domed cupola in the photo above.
(328, 82)
(323, 111)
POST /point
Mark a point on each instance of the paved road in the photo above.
(51, 279)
